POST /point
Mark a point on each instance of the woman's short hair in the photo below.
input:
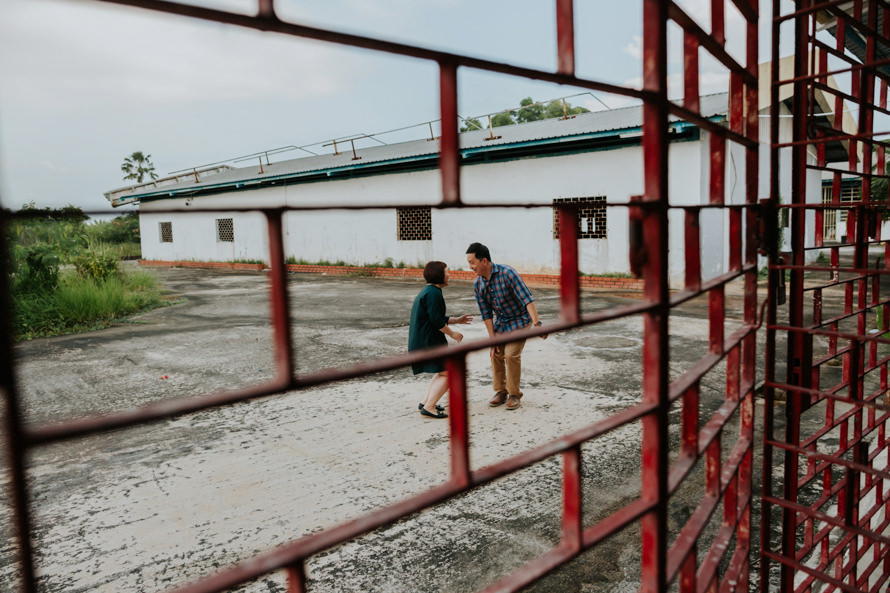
(434, 272)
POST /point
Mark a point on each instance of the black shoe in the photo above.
(438, 407)
(423, 412)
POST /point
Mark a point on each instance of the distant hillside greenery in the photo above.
(65, 273)
(528, 111)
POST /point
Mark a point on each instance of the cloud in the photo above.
(125, 55)
(635, 48)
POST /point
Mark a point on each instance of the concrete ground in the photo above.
(155, 507)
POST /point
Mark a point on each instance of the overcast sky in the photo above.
(83, 84)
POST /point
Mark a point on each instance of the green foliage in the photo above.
(48, 299)
(81, 304)
(97, 265)
(556, 109)
(471, 124)
(36, 270)
(137, 167)
(122, 229)
(505, 118)
(529, 111)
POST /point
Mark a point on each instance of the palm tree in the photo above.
(137, 166)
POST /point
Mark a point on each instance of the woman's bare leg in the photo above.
(438, 387)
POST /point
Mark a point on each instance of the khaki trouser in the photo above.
(507, 371)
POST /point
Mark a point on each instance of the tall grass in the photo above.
(82, 304)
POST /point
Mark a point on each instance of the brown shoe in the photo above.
(513, 402)
(499, 398)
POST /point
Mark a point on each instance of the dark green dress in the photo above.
(427, 318)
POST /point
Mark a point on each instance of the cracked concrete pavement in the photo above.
(161, 505)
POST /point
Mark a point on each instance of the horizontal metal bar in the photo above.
(78, 427)
(708, 43)
(700, 517)
(829, 519)
(858, 403)
(273, 24)
(298, 550)
(703, 365)
(819, 575)
(833, 459)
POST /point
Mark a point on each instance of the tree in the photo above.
(137, 166)
(529, 111)
(505, 118)
(555, 109)
(471, 124)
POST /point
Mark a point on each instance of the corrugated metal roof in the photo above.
(549, 131)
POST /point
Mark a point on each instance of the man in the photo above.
(506, 305)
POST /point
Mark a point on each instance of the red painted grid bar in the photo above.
(728, 482)
(832, 501)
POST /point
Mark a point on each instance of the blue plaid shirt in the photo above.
(505, 297)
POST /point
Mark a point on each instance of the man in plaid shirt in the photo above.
(506, 305)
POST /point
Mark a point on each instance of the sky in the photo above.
(83, 84)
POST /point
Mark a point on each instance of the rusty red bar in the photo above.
(283, 344)
(449, 155)
(458, 419)
(569, 285)
(729, 480)
(565, 37)
(572, 495)
(690, 72)
(655, 329)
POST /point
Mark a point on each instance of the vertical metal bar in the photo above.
(793, 407)
(769, 354)
(690, 72)
(266, 10)
(458, 419)
(296, 578)
(718, 21)
(693, 249)
(571, 498)
(716, 314)
(449, 157)
(717, 192)
(13, 425)
(284, 355)
(569, 285)
(690, 414)
(565, 37)
(655, 336)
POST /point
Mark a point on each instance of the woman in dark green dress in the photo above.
(429, 326)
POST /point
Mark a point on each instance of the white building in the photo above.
(592, 158)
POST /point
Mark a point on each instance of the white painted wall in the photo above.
(194, 234)
(521, 237)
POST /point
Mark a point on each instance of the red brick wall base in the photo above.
(595, 282)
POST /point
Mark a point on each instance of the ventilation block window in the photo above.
(166, 230)
(225, 230)
(591, 216)
(415, 224)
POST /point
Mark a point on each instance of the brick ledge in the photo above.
(552, 280)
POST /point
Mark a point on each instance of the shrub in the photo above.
(98, 266)
(37, 269)
(81, 304)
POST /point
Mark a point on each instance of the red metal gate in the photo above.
(725, 505)
(829, 498)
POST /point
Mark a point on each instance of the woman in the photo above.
(429, 326)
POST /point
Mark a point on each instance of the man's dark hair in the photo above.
(480, 251)
(434, 272)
